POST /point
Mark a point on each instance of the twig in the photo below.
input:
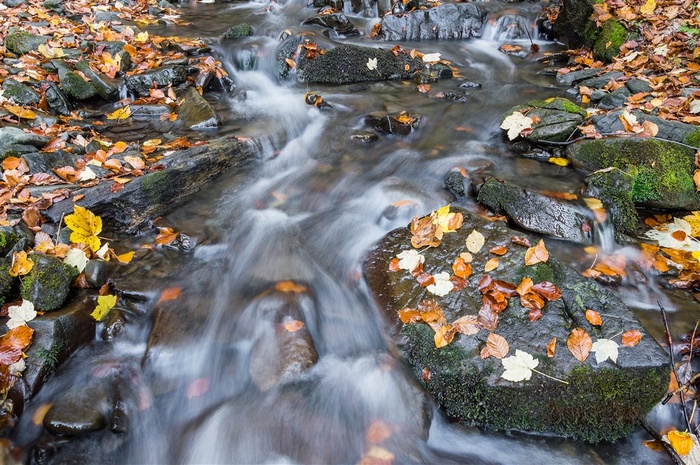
(673, 362)
(685, 386)
(654, 434)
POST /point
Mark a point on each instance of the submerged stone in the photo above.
(602, 401)
(237, 31)
(613, 187)
(338, 22)
(446, 21)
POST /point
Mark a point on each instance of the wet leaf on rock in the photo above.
(593, 317)
(85, 227)
(536, 254)
(105, 303)
(579, 344)
(519, 367)
(631, 338)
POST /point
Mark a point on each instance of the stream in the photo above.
(308, 208)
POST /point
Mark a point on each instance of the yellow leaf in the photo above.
(446, 221)
(559, 161)
(141, 37)
(120, 114)
(20, 112)
(648, 8)
(85, 227)
(104, 305)
(491, 265)
(126, 257)
(21, 264)
(694, 222)
(681, 442)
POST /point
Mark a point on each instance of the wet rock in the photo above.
(6, 281)
(613, 187)
(470, 85)
(603, 401)
(80, 410)
(237, 31)
(106, 87)
(451, 97)
(458, 182)
(48, 284)
(338, 22)
(347, 64)
(614, 99)
(16, 150)
(57, 100)
(141, 84)
(446, 21)
(149, 111)
(19, 92)
(364, 137)
(401, 124)
(73, 85)
(662, 171)
(671, 130)
(22, 42)
(10, 135)
(97, 272)
(432, 73)
(151, 195)
(601, 81)
(637, 86)
(576, 76)
(195, 112)
(57, 335)
(537, 212)
(559, 119)
(45, 162)
(116, 324)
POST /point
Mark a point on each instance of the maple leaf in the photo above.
(20, 314)
(605, 349)
(536, 254)
(446, 221)
(77, 258)
(515, 123)
(682, 442)
(85, 227)
(104, 305)
(519, 367)
(442, 285)
(475, 241)
(120, 114)
(579, 344)
(371, 64)
(21, 264)
(410, 259)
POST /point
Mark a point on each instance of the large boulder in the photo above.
(48, 283)
(602, 401)
(446, 21)
(557, 119)
(662, 171)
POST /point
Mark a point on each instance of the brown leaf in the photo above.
(579, 343)
(409, 315)
(631, 338)
(425, 279)
(547, 290)
(170, 293)
(425, 232)
(461, 269)
(13, 343)
(497, 345)
(552, 347)
(394, 264)
(487, 318)
(520, 241)
(536, 254)
(499, 250)
(458, 283)
(444, 335)
(593, 317)
(467, 325)
(166, 236)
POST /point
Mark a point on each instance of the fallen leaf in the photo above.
(593, 317)
(291, 286)
(552, 347)
(166, 236)
(292, 326)
(515, 123)
(605, 349)
(409, 260)
(475, 241)
(76, 257)
(519, 367)
(40, 413)
(409, 315)
(431, 57)
(681, 442)
(648, 8)
(442, 285)
(559, 161)
(371, 64)
(85, 227)
(21, 264)
(497, 346)
(579, 344)
(461, 269)
(120, 113)
(467, 325)
(499, 250)
(631, 338)
(104, 304)
(13, 343)
(20, 314)
(168, 294)
(491, 264)
(444, 335)
(536, 254)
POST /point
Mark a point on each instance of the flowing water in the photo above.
(307, 210)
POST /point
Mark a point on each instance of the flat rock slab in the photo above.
(447, 21)
(603, 401)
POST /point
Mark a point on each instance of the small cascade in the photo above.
(510, 27)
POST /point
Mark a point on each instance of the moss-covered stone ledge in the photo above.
(603, 401)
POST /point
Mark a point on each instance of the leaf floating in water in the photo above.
(105, 303)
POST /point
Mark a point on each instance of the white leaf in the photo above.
(20, 314)
(515, 124)
(372, 64)
(442, 285)
(694, 107)
(676, 235)
(86, 174)
(76, 258)
(410, 259)
(519, 367)
(431, 57)
(18, 367)
(605, 349)
(631, 119)
(475, 241)
(103, 250)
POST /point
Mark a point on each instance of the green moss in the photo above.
(6, 281)
(155, 186)
(77, 87)
(8, 239)
(48, 284)
(496, 195)
(611, 36)
(693, 138)
(539, 272)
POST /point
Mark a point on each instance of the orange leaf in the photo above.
(681, 442)
(13, 343)
(170, 293)
(487, 318)
(136, 162)
(461, 268)
(491, 265)
(409, 315)
(377, 432)
(497, 345)
(499, 250)
(10, 163)
(467, 325)
(579, 344)
(593, 317)
(292, 326)
(40, 413)
(166, 236)
(631, 338)
(21, 264)
(291, 286)
(547, 290)
(520, 241)
(423, 88)
(525, 286)
(536, 254)
(444, 335)
(552, 347)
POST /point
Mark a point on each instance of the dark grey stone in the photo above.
(446, 21)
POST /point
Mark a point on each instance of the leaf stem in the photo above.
(550, 377)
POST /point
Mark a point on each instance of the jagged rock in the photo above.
(338, 22)
(15, 150)
(603, 401)
(195, 112)
(237, 31)
(458, 182)
(48, 284)
(10, 135)
(106, 87)
(602, 80)
(56, 99)
(23, 42)
(558, 119)
(537, 212)
(141, 84)
(577, 76)
(19, 92)
(45, 162)
(662, 171)
(671, 130)
(446, 21)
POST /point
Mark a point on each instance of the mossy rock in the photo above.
(603, 401)
(558, 119)
(20, 93)
(22, 42)
(613, 187)
(48, 284)
(693, 138)
(662, 171)
(6, 281)
(75, 86)
(610, 38)
(237, 31)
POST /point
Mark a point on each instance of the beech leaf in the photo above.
(593, 317)
(475, 241)
(580, 344)
(497, 345)
(631, 338)
(536, 254)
